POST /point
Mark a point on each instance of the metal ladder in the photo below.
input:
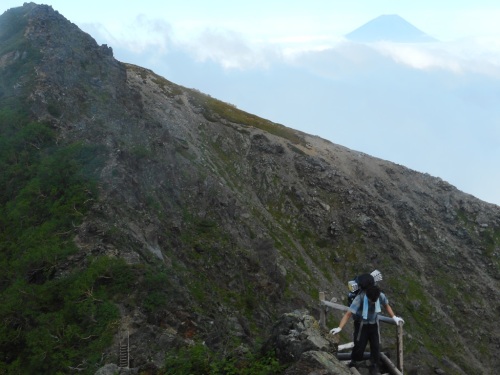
(124, 352)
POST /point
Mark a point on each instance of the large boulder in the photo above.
(298, 340)
(112, 369)
(317, 363)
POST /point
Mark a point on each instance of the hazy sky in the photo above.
(251, 36)
(273, 21)
(444, 19)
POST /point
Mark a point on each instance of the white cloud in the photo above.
(236, 50)
(140, 35)
(474, 55)
(418, 56)
(233, 50)
(229, 49)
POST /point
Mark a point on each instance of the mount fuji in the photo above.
(391, 28)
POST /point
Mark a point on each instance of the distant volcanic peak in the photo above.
(391, 28)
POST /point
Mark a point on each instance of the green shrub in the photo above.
(53, 316)
(199, 359)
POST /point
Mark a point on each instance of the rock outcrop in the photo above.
(298, 341)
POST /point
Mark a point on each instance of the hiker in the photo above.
(365, 308)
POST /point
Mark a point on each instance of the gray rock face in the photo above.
(317, 363)
(112, 369)
(298, 340)
(296, 333)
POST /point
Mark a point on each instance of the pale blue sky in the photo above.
(283, 25)
(443, 19)
(444, 122)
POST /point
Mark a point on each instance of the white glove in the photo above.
(397, 320)
(334, 331)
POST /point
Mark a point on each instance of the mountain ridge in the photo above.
(222, 220)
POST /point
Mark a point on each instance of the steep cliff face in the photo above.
(223, 220)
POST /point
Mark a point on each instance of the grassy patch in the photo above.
(167, 87)
(491, 240)
(214, 109)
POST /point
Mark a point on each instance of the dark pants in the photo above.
(369, 333)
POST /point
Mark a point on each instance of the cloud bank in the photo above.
(234, 50)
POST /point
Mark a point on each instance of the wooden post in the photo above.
(322, 311)
(347, 356)
(349, 345)
(400, 347)
(338, 306)
(392, 369)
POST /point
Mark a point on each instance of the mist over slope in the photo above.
(428, 106)
(134, 205)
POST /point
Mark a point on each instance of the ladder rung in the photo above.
(123, 353)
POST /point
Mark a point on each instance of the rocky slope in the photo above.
(226, 220)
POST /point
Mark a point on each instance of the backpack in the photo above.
(360, 283)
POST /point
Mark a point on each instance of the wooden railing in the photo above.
(393, 369)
